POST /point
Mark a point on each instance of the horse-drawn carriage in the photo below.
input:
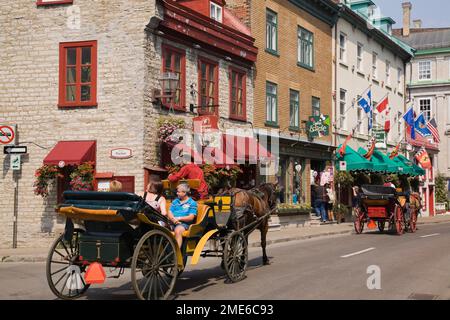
(120, 230)
(380, 204)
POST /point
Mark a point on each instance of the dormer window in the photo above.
(216, 12)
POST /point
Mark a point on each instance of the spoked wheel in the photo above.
(65, 273)
(235, 256)
(359, 221)
(154, 267)
(399, 223)
(413, 221)
(381, 225)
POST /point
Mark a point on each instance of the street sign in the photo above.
(343, 165)
(15, 150)
(15, 162)
(7, 134)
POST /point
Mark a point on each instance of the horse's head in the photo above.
(269, 189)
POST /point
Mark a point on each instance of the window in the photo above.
(399, 78)
(294, 113)
(371, 12)
(305, 48)
(359, 61)
(425, 70)
(342, 107)
(271, 31)
(78, 74)
(426, 108)
(343, 47)
(388, 73)
(360, 122)
(174, 61)
(374, 65)
(315, 106)
(237, 94)
(48, 2)
(216, 12)
(271, 103)
(209, 85)
(389, 29)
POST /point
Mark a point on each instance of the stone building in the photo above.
(427, 80)
(77, 77)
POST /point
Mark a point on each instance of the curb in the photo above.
(256, 244)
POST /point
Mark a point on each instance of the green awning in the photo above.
(405, 168)
(381, 162)
(355, 161)
(415, 169)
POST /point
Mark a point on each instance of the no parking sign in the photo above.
(7, 134)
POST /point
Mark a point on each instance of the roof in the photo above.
(427, 38)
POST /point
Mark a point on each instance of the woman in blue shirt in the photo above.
(182, 212)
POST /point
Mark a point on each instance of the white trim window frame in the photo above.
(388, 73)
(426, 107)
(399, 79)
(360, 123)
(375, 65)
(342, 107)
(216, 11)
(424, 69)
(360, 57)
(343, 47)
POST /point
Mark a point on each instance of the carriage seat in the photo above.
(199, 224)
(193, 184)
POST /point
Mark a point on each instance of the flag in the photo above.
(383, 104)
(387, 121)
(423, 159)
(371, 149)
(420, 125)
(394, 152)
(432, 126)
(409, 119)
(344, 145)
(365, 102)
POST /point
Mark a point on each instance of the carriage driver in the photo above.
(182, 212)
(191, 170)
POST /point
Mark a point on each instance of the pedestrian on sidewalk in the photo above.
(318, 194)
(331, 198)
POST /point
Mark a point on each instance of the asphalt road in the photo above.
(412, 266)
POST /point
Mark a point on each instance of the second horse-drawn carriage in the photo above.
(120, 230)
(378, 205)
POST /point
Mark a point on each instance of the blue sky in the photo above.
(433, 13)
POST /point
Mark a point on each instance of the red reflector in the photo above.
(117, 260)
(95, 274)
(81, 258)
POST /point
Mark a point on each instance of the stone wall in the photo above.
(29, 74)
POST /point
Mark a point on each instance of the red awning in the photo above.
(244, 148)
(71, 152)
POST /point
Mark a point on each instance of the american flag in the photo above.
(432, 125)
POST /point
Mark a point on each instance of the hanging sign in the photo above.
(318, 126)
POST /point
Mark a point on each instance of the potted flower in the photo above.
(285, 209)
(82, 177)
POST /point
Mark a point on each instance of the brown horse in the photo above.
(251, 205)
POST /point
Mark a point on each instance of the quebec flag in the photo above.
(365, 102)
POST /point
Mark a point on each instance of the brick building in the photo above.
(293, 82)
(81, 73)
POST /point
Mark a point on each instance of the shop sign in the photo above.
(103, 185)
(380, 137)
(318, 126)
(342, 165)
(205, 124)
(121, 153)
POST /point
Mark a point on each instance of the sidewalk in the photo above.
(284, 235)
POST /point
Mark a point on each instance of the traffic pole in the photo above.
(16, 207)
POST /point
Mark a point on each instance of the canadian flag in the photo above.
(383, 104)
(387, 121)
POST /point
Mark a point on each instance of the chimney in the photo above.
(407, 6)
(417, 24)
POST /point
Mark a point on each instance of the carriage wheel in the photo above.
(413, 221)
(359, 221)
(65, 273)
(155, 262)
(399, 223)
(381, 225)
(235, 256)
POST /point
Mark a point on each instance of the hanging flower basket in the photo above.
(44, 176)
(82, 177)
